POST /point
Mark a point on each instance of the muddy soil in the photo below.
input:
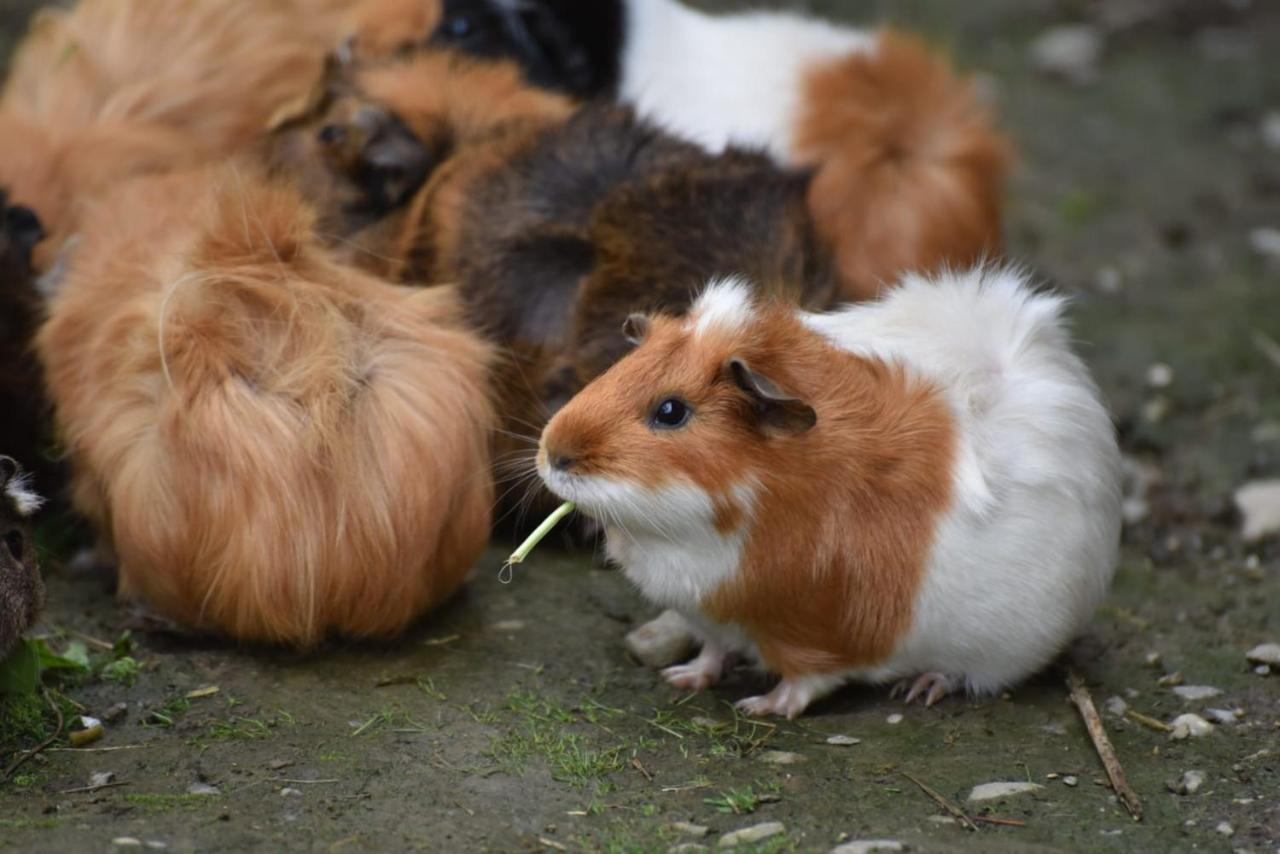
(514, 720)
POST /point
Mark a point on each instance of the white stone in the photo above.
(202, 789)
(1265, 241)
(290, 792)
(1159, 375)
(1224, 716)
(1191, 693)
(1263, 670)
(1069, 51)
(1116, 706)
(992, 791)
(1259, 504)
(1264, 653)
(1189, 726)
(753, 834)
(1225, 829)
(843, 740)
(868, 846)
(894, 719)
(661, 642)
(126, 842)
(1070, 780)
(1188, 784)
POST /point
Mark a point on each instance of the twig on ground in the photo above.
(955, 811)
(635, 763)
(1004, 822)
(82, 789)
(1147, 721)
(1083, 701)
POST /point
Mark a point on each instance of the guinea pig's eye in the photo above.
(458, 27)
(15, 543)
(670, 414)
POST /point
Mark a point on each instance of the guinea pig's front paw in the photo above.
(790, 697)
(700, 673)
(930, 687)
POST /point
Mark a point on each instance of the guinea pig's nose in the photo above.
(562, 462)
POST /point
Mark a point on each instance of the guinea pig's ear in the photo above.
(778, 412)
(8, 469)
(635, 328)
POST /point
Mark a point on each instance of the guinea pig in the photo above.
(275, 444)
(925, 487)
(106, 90)
(908, 169)
(21, 396)
(21, 588)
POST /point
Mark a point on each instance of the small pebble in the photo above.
(1264, 653)
(98, 779)
(1225, 829)
(1263, 670)
(127, 842)
(1153, 659)
(1259, 502)
(1193, 693)
(780, 757)
(1265, 241)
(1188, 784)
(992, 791)
(1170, 680)
(894, 719)
(1069, 51)
(1159, 375)
(662, 641)
(688, 828)
(508, 626)
(1052, 775)
(753, 834)
(115, 712)
(1189, 726)
(1070, 780)
(277, 764)
(1225, 716)
(867, 846)
(202, 789)
(942, 819)
(843, 740)
(686, 848)
(290, 792)
(1116, 706)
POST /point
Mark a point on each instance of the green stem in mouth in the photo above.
(539, 533)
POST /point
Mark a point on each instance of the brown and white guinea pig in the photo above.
(908, 169)
(924, 487)
(21, 588)
(274, 445)
(110, 89)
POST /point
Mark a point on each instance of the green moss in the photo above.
(167, 803)
(23, 721)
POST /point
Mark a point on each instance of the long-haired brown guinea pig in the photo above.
(21, 588)
(274, 444)
(924, 487)
(110, 89)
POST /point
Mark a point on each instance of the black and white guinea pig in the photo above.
(923, 488)
(21, 588)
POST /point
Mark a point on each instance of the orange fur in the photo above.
(384, 27)
(908, 169)
(114, 88)
(277, 446)
(843, 515)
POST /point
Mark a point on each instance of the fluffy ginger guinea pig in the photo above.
(921, 488)
(275, 445)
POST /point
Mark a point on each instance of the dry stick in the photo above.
(1005, 822)
(21, 760)
(1098, 733)
(943, 802)
(110, 785)
(1147, 721)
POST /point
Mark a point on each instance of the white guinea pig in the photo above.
(925, 487)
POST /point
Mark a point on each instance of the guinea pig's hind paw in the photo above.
(930, 687)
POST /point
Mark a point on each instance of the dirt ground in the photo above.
(514, 720)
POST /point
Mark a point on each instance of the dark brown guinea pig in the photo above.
(21, 588)
(21, 397)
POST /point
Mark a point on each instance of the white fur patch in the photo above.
(665, 539)
(24, 499)
(726, 304)
(726, 79)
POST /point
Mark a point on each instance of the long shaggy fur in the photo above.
(115, 88)
(276, 445)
